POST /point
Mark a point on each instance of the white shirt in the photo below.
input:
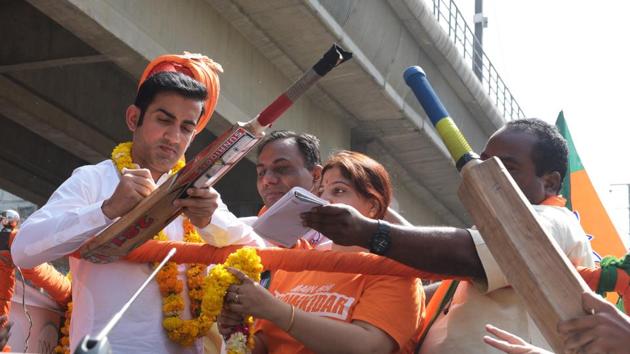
(494, 301)
(71, 217)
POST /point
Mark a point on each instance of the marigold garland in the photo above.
(218, 281)
(180, 331)
(183, 332)
(206, 296)
(63, 346)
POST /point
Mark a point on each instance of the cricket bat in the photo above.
(153, 213)
(531, 260)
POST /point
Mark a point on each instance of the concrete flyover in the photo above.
(68, 68)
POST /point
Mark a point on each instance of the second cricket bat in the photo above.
(531, 260)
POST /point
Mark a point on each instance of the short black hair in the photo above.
(308, 145)
(550, 153)
(168, 81)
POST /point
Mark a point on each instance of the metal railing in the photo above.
(452, 21)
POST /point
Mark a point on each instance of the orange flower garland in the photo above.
(183, 332)
(63, 347)
(205, 293)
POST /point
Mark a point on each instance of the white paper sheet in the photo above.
(282, 223)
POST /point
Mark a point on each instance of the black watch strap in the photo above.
(380, 241)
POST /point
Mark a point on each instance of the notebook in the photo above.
(282, 223)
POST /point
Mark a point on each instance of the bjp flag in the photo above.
(583, 200)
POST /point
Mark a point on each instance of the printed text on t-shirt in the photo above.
(318, 300)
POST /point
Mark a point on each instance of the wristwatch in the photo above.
(380, 242)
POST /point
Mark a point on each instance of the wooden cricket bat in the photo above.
(531, 260)
(153, 213)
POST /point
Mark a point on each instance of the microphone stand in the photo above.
(100, 344)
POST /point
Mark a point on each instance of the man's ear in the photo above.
(132, 115)
(552, 183)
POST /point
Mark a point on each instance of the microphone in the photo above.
(100, 344)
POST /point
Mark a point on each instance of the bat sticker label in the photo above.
(133, 230)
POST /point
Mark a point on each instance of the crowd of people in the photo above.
(309, 310)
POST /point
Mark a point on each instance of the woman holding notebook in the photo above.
(327, 312)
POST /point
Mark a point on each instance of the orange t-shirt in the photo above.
(393, 304)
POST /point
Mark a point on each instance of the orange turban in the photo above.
(197, 66)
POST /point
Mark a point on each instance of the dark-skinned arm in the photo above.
(441, 250)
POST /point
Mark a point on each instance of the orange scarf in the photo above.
(43, 276)
(556, 200)
(291, 260)
(7, 282)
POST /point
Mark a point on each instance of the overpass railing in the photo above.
(450, 18)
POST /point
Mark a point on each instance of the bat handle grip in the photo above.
(334, 57)
(455, 142)
(274, 110)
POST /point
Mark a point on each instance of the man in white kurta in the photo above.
(72, 216)
(164, 119)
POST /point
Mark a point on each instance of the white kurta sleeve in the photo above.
(226, 229)
(71, 216)
(494, 276)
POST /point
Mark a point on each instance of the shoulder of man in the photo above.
(558, 216)
(563, 225)
(103, 168)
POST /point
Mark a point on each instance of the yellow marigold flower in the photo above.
(196, 294)
(216, 284)
(173, 304)
(172, 323)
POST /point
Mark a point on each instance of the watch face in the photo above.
(380, 242)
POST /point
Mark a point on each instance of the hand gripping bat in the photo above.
(153, 213)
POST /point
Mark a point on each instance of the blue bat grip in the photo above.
(455, 142)
(416, 79)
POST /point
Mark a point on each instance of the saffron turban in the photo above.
(197, 66)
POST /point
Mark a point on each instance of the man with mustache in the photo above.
(287, 159)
